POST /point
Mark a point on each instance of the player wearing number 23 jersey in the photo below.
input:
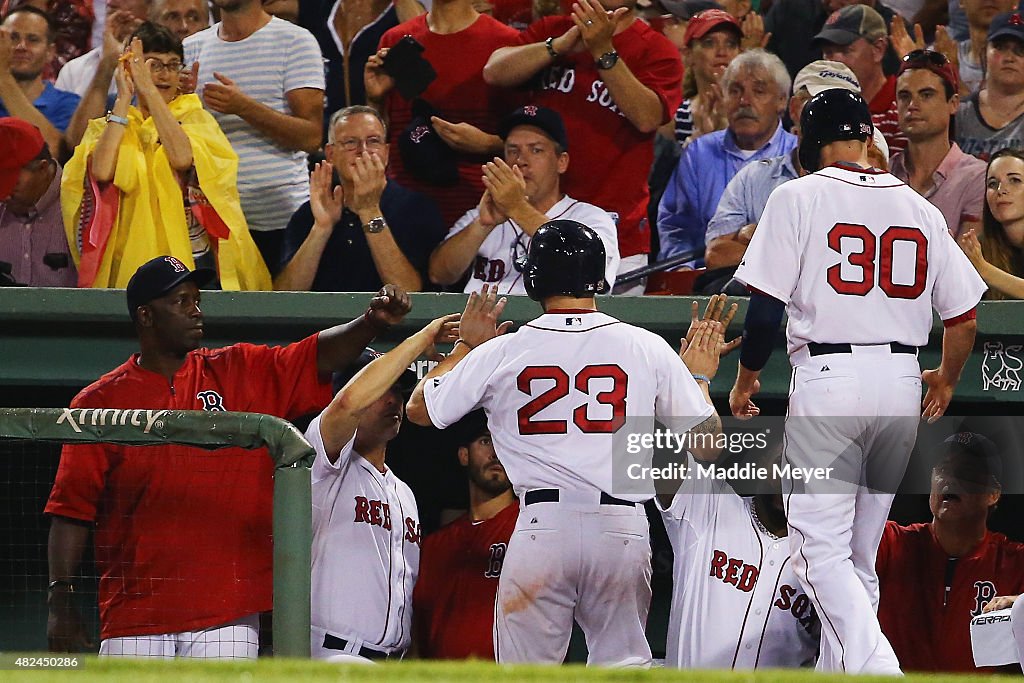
(556, 392)
(858, 260)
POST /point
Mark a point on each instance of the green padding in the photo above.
(141, 427)
(293, 531)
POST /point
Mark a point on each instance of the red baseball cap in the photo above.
(20, 143)
(704, 22)
(933, 61)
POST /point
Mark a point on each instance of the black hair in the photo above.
(157, 38)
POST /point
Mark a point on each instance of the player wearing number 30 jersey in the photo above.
(858, 260)
(556, 392)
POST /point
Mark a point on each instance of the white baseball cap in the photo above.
(823, 75)
(880, 143)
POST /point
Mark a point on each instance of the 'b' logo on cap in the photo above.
(178, 266)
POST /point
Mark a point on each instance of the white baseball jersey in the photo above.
(557, 390)
(506, 242)
(736, 603)
(366, 551)
(858, 267)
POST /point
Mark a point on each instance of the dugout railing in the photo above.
(291, 454)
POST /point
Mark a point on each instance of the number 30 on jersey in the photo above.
(878, 253)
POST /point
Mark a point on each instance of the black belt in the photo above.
(551, 496)
(816, 349)
(336, 643)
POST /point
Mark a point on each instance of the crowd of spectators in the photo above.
(625, 79)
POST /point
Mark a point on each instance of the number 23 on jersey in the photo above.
(534, 378)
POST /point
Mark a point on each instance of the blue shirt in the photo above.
(743, 200)
(56, 105)
(347, 264)
(692, 195)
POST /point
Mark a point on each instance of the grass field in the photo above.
(299, 671)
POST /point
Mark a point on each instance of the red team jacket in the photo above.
(928, 630)
(183, 535)
(453, 603)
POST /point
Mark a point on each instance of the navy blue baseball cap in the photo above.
(972, 457)
(160, 275)
(1010, 25)
(548, 120)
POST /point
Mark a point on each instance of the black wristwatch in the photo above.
(607, 60)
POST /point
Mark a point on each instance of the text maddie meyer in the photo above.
(735, 472)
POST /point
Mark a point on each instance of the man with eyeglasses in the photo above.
(368, 230)
(993, 117)
(927, 98)
(27, 45)
(522, 192)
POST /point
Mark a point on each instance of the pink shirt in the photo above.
(961, 179)
(35, 244)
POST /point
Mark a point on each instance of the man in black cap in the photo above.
(183, 536)
(522, 192)
(935, 577)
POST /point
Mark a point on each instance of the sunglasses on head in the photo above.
(929, 56)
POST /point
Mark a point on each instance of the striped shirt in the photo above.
(886, 116)
(280, 57)
(684, 122)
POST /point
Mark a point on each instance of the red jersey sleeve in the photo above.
(661, 71)
(282, 380)
(81, 474)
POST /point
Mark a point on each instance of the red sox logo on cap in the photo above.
(1015, 19)
(832, 18)
(530, 110)
(418, 133)
(178, 266)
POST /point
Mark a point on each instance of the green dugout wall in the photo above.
(68, 338)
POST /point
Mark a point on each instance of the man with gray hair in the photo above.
(366, 231)
(756, 88)
(744, 198)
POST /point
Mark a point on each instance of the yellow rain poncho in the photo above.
(113, 228)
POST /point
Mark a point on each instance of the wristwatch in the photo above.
(375, 225)
(607, 60)
(114, 118)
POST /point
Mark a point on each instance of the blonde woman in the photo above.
(156, 178)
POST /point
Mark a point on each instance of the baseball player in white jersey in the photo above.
(736, 602)
(555, 393)
(522, 193)
(858, 260)
(366, 529)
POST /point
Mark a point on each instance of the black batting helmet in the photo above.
(565, 258)
(831, 115)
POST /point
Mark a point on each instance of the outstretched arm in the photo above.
(764, 315)
(479, 323)
(339, 420)
(957, 342)
(338, 346)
